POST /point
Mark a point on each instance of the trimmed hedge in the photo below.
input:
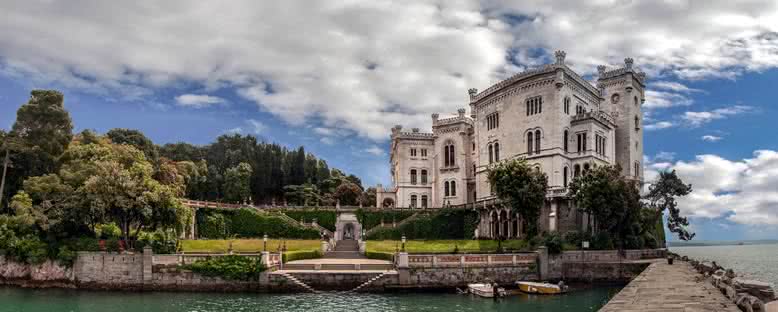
(371, 219)
(229, 267)
(324, 218)
(445, 224)
(378, 255)
(248, 223)
(301, 255)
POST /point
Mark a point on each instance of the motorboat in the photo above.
(542, 288)
(485, 290)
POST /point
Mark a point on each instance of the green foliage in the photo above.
(602, 241)
(229, 267)
(237, 183)
(249, 223)
(552, 241)
(212, 225)
(348, 193)
(445, 224)
(161, 242)
(107, 231)
(301, 255)
(371, 219)
(324, 218)
(661, 196)
(92, 244)
(136, 139)
(521, 187)
(66, 256)
(378, 255)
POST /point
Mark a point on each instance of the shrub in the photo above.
(247, 223)
(92, 244)
(212, 225)
(445, 224)
(379, 255)
(66, 256)
(602, 241)
(552, 241)
(301, 255)
(650, 241)
(31, 250)
(371, 219)
(108, 231)
(324, 218)
(162, 242)
(229, 267)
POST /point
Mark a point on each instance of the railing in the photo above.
(273, 259)
(471, 260)
(612, 255)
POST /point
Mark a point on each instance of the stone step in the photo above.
(343, 255)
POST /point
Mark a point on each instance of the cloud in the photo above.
(711, 138)
(743, 191)
(256, 126)
(327, 140)
(674, 86)
(696, 119)
(236, 130)
(668, 156)
(198, 100)
(659, 125)
(365, 66)
(375, 150)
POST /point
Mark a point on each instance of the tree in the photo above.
(347, 194)
(236, 183)
(521, 187)
(41, 134)
(613, 202)
(368, 197)
(136, 139)
(661, 197)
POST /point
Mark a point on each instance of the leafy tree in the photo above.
(136, 139)
(348, 193)
(302, 195)
(368, 197)
(613, 202)
(236, 180)
(661, 196)
(523, 188)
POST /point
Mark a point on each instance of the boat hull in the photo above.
(540, 288)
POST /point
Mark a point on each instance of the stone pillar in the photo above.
(362, 247)
(324, 247)
(403, 270)
(552, 219)
(265, 258)
(148, 264)
(402, 260)
(193, 225)
(542, 262)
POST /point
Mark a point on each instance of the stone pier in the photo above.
(664, 287)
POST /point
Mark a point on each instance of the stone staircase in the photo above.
(345, 249)
(297, 282)
(370, 281)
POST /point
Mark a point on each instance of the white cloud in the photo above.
(198, 100)
(367, 65)
(711, 138)
(324, 131)
(327, 140)
(674, 86)
(659, 125)
(257, 126)
(236, 130)
(375, 150)
(668, 156)
(744, 191)
(696, 119)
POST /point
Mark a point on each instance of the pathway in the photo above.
(663, 287)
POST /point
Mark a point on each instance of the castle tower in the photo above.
(623, 91)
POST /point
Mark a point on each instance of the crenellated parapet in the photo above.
(618, 72)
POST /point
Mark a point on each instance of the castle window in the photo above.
(423, 201)
(636, 101)
(537, 141)
(567, 105)
(576, 170)
(564, 176)
(637, 123)
(423, 152)
(581, 142)
(491, 154)
(453, 188)
(413, 201)
(474, 170)
(496, 152)
(413, 152)
(474, 146)
(637, 169)
(413, 176)
(446, 189)
(586, 168)
(565, 139)
(448, 153)
(534, 105)
(492, 121)
(529, 142)
(423, 176)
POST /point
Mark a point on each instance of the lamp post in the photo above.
(264, 243)
(403, 240)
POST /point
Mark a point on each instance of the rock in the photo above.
(707, 267)
(730, 273)
(719, 273)
(749, 303)
(685, 258)
(730, 292)
(761, 290)
(771, 307)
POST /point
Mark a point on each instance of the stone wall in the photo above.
(46, 274)
(459, 277)
(109, 270)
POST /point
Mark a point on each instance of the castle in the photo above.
(551, 116)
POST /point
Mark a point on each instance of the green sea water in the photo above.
(758, 262)
(61, 300)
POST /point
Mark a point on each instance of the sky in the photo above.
(335, 76)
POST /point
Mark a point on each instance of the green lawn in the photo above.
(445, 246)
(246, 245)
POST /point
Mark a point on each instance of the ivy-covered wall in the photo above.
(325, 218)
(371, 219)
(445, 224)
(212, 223)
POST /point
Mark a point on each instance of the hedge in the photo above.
(228, 267)
(445, 224)
(371, 219)
(378, 255)
(324, 218)
(301, 255)
(248, 223)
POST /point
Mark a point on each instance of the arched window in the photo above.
(636, 100)
(529, 142)
(473, 169)
(537, 141)
(448, 155)
(453, 188)
(451, 155)
(413, 176)
(446, 191)
(565, 139)
(424, 201)
(564, 176)
(491, 154)
(586, 168)
(423, 176)
(637, 123)
(567, 105)
(637, 169)
(413, 201)
(576, 170)
(496, 151)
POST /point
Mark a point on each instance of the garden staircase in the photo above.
(389, 226)
(372, 280)
(345, 249)
(306, 225)
(297, 282)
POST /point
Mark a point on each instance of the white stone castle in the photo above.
(558, 121)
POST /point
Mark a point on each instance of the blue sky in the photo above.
(336, 76)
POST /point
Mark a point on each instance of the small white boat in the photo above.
(542, 288)
(485, 290)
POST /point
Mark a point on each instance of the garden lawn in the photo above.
(445, 246)
(246, 245)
